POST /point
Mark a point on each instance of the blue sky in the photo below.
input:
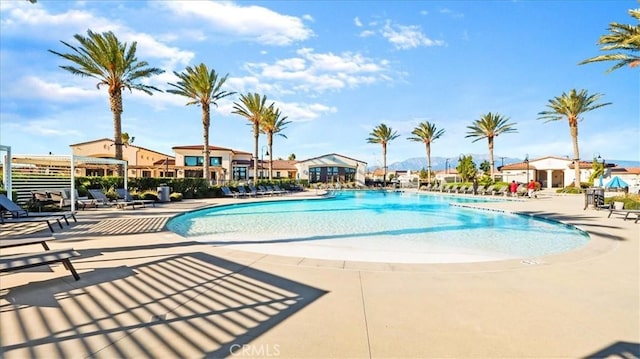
(336, 69)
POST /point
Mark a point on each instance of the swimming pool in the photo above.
(378, 226)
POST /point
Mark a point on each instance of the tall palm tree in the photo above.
(621, 37)
(571, 106)
(273, 124)
(383, 135)
(426, 133)
(253, 108)
(113, 64)
(489, 126)
(204, 88)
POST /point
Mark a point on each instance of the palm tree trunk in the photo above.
(270, 147)
(576, 154)
(256, 133)
(115, 97)
(205, 135)
(491, 164)
(428, 145)
(384, 165)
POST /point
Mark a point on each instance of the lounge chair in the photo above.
(62, 198)
(28, 260)
(627, 213)
(228, 192)
(46, 220)
(279, 192)
(280, 189)
(124, 194)
(16, 212)
(253, 191)
(487, 190)
(100, 198)
(243, 192)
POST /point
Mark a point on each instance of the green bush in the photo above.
(631, 201)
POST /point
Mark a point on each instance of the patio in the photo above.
(147, 292)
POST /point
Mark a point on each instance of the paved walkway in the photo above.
(146, 292)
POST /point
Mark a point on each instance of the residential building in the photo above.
(142, 162)
(332, 168)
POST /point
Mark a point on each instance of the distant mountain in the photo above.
(439, 163)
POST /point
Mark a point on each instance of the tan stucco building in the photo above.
(142, 162)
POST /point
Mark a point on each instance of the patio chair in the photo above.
(62, 198)
(228, 192)
(100, 198)
(46, 220)
(124, 194)
(15, 211)
(255, 192)
(243, 192)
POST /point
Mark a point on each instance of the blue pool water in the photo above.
(380, 227)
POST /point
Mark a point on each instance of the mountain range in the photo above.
(439, 163)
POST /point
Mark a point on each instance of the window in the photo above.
(199, 161)
(146, 173)
(239, 173)
(278, 174)
(349, 174)
(332, 174)
(215, 161)
(314, 174)
(193, 160)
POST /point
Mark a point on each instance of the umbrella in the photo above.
(616, 182)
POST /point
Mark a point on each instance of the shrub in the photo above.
(175, 197)
(631, 201)
(149, 195)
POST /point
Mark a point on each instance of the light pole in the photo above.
(262, 153)
(526, 160)
(603, 168)
(446, 166)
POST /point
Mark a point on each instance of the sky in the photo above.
(336, 69)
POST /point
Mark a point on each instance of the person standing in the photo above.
(475, 186)
(513, 188)
(531, 187)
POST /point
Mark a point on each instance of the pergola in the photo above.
(70, 161)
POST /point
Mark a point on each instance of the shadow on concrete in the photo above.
(618, 350)
(591, 223)
(187, 305)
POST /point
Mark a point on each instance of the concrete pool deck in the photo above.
(147, 292)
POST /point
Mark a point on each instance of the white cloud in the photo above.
(319, 72)
(32, 86)
(251, 23)
(357, 22)
(367, 33)
(407, 37)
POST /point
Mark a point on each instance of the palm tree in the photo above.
(383, 135)
(253, 108)
(571, 106)
(621, 37)
(490, 126)
(426, 133)
(203, 87)
(112, 63)
(273, 124)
